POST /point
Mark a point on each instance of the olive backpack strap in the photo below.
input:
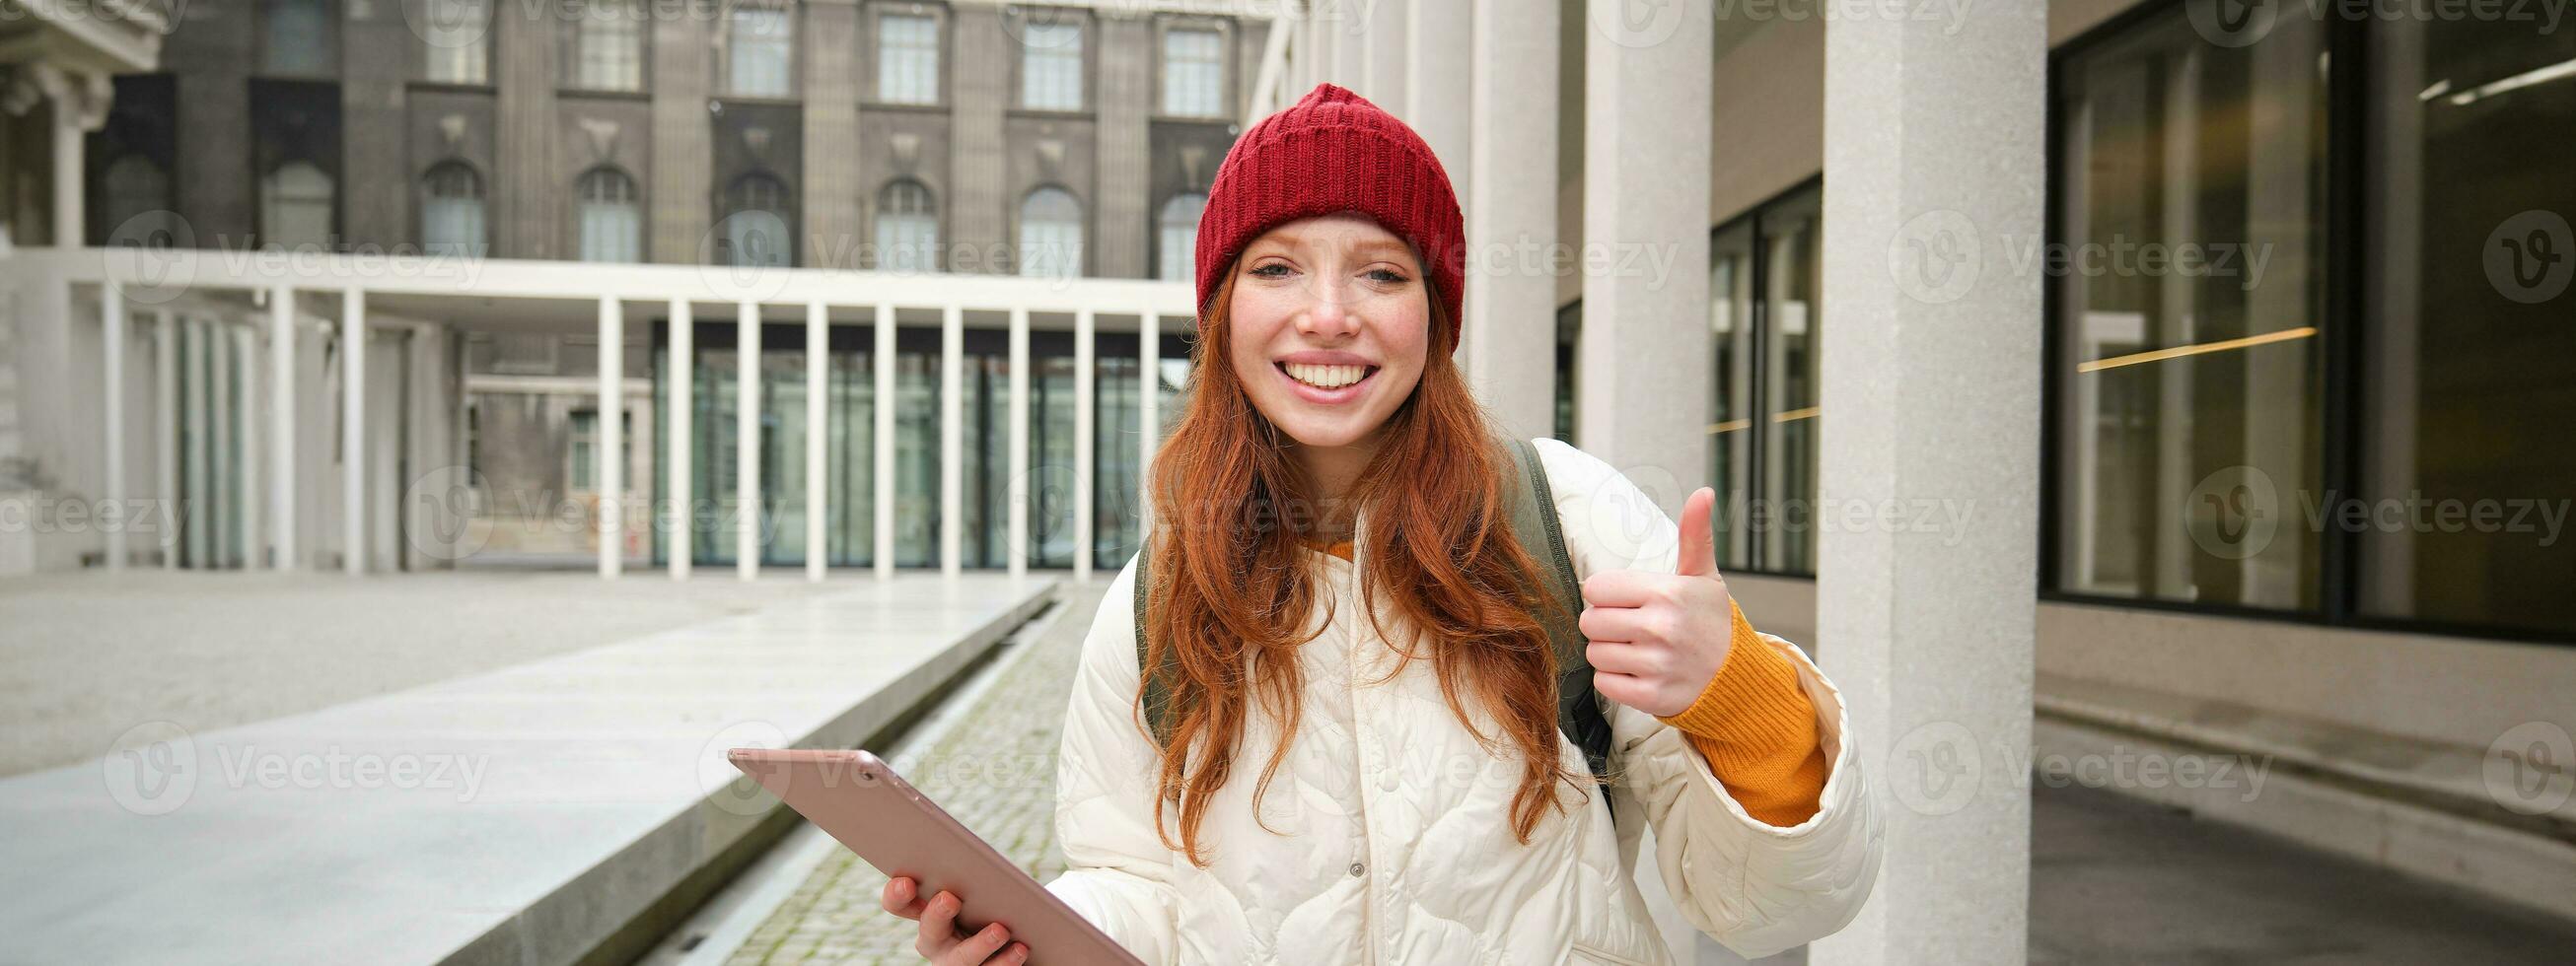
(1534, 525)
(1533, 514)
(1157, 692)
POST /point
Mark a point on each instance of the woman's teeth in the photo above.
(1325, 377)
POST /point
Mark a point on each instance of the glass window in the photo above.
(134, 209)
(295, 203)
(759, 49)
(1051, 510)
(1178, 238)
(583, 453)
(451, 211)
(2189, 420)
(756, 226)
(453, 40)
(1731, 429)
(2467, 400)
(1569, 330)
(610, 219)
(1050, 234)
(1763, 318)
(907, 228)
(1194, 73)
(608, 50)
(1051, 66)
(908, 59)
(299, 38)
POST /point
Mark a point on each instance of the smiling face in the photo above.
(1330, 325)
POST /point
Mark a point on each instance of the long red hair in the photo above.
(1231, 593)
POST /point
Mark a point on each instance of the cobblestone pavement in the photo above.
(994, 771)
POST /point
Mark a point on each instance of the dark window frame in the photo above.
(2345, 333)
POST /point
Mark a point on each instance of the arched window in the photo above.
(295, 203)
(1050, 233)
(453, 40)
(1178, 236)
(758, 50)
(134, 209)
(611, 221)
(608, 50)
(756, 230)
(451, 210)
(907, 228)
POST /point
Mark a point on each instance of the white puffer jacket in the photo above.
(1393, 837)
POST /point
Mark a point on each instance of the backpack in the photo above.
(1580, 712)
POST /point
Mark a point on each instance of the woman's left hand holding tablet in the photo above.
(940, 941)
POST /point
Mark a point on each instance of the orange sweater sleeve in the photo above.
(1757, 728)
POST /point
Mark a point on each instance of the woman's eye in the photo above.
(1272, 270)
(1386, 276)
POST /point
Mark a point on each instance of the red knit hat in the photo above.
(1332, 152)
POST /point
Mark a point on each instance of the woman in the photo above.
(1368, 765)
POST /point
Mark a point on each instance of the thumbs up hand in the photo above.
(1658, 639)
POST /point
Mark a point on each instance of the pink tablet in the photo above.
(863, 803)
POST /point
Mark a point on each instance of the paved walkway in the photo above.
(523, 814)
(2114, 880)
(995, 772)
(86, 655)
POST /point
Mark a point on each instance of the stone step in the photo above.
(549, 812)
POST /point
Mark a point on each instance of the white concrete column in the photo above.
(609, 455)
(683, 516)
(1016, 549)
(1086, 412)
(1149, 416)
(882, 409)
(251, 462)
(1440, 58)
(1931, 379)
(818, 353)
(281, 412)
(1509, 341)
(71, 224)
(112, 330)
(746, 423)
(1349, 43)
(1644, 369)
(1383, 49)
(200, 515)
(223, 469)
(353, 431)
(952, 438)
(171, 505)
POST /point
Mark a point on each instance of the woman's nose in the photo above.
(1327, 315)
